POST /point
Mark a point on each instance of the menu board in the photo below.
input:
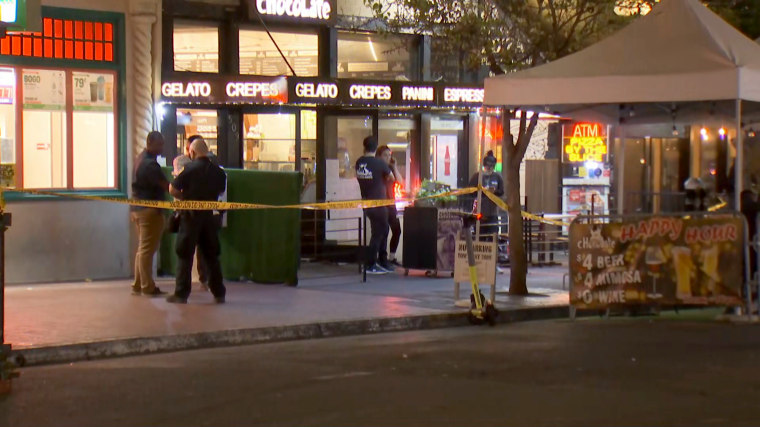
(663, 260)
(93, 91)
(44, 89)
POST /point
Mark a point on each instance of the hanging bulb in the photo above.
(703, 132)
(722, 132)
(675, 131)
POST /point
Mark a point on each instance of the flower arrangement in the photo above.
(429, 189)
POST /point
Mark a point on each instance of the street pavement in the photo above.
(671, 370)
(54, 323)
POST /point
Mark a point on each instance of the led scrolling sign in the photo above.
(319, 92)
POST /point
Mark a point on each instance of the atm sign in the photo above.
(586, 142)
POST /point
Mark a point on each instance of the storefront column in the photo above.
(142, 19)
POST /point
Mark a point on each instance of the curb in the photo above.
(161, 344)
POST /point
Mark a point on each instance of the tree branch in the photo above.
(523, 140)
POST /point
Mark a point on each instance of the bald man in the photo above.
(199, 180)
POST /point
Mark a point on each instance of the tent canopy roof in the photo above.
(681, 51)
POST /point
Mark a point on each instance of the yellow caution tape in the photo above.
(503, 205)
(226, 206)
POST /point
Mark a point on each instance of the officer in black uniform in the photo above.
(200, 180)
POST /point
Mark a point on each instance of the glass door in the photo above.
(344, 137)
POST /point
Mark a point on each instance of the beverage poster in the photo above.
(446, 159)
(44, 89)
(664, 260)
(93, 91)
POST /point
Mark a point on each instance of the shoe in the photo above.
(219, 300)
(154, 293)
(376, 269)
(136, 291)
(204, 287)
(387, 265)
(174, 299)
(395, 263)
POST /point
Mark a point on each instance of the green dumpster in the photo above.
(262, 245)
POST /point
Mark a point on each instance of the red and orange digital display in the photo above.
(64, 39)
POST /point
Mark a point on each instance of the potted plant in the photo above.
(425, 196)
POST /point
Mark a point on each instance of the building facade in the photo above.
(77, 104)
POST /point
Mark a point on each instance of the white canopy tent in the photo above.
(679, 52)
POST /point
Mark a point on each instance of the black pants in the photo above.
(198, 228)
(378, 220)
(395, 232)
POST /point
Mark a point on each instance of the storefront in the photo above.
(226, 79)
(63, 127)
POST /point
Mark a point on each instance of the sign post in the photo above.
(485, 254)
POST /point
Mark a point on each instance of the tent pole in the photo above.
(739, 163)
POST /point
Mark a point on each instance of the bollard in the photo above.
(5, 222)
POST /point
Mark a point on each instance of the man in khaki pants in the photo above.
(149, 183)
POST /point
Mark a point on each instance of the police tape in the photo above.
(227, 206)
(503, 205)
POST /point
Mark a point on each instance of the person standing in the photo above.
(384, 152)
(179, 165)
(373, 175)
(148, 183)
(492, 182)
(204, 181)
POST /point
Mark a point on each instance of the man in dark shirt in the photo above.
(148, 183)
(491, 181)
(373, 175)
(204, 181)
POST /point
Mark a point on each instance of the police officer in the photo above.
(200, 180)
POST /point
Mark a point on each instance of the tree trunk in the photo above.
(518, 262)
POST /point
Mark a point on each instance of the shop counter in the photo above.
(262, 245)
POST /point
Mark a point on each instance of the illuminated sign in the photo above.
(185, 90)
(21, 15)
(220, 89)
(461, 95)
(317, 90)
(252, 90)
(370, 92)
(318, 10)
(412, 93)
(585, 142)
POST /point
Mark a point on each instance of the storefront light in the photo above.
(703, 132)
(160, 109)
(722, 132)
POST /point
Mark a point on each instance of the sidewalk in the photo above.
(55, 323)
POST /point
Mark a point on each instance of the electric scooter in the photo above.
(481, 309)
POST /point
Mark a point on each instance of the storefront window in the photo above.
(196, 47)
(197, 122)
(397, 135)
(445, 134)
(7, 127)
(93, 130)
(259, 56)
(270, 142)
(370, 56)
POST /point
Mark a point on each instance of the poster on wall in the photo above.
(92, 91)
(44, 89)
(446, 159)
(577, 200)
(664, 260)
(449, 226)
